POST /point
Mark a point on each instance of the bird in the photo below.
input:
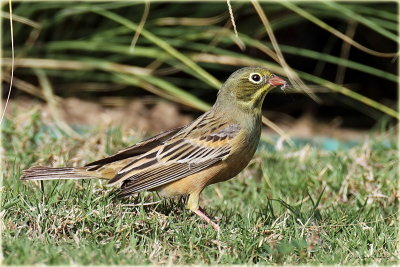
(213, 148)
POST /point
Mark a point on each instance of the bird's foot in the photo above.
(204, 216)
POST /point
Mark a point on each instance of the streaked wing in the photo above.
(191, 150)
(161, 175)
(135, 150)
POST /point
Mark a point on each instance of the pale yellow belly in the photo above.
(197, 182)
(194, 183)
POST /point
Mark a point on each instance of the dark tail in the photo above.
(46, 173)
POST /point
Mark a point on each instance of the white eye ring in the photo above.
(256, 78)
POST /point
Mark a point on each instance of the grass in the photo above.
(85, 42)
(300, 205)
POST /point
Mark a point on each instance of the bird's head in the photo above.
(247, 88)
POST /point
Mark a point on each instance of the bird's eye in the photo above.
(255, 78)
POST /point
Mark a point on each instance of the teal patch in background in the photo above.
(324, 143)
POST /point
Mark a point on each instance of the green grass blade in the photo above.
(335, 32)
(176, 94)
(339, 61)
(345, 91)
(361, 19)
(206, 77)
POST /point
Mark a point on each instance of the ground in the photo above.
(298, 204)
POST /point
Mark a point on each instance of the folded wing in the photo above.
(182, 155)
(135, 150)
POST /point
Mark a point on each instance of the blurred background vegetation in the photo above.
(111, 52)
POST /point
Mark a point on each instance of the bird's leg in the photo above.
(193, 205)
(203, 215)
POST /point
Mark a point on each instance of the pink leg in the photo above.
(203, 215)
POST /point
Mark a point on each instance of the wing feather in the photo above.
(171, 173)
(188, 151)
(135, 150)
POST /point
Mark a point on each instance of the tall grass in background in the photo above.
(172, 51)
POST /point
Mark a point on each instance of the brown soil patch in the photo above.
(151, 117)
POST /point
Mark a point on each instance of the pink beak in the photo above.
(276, 81)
